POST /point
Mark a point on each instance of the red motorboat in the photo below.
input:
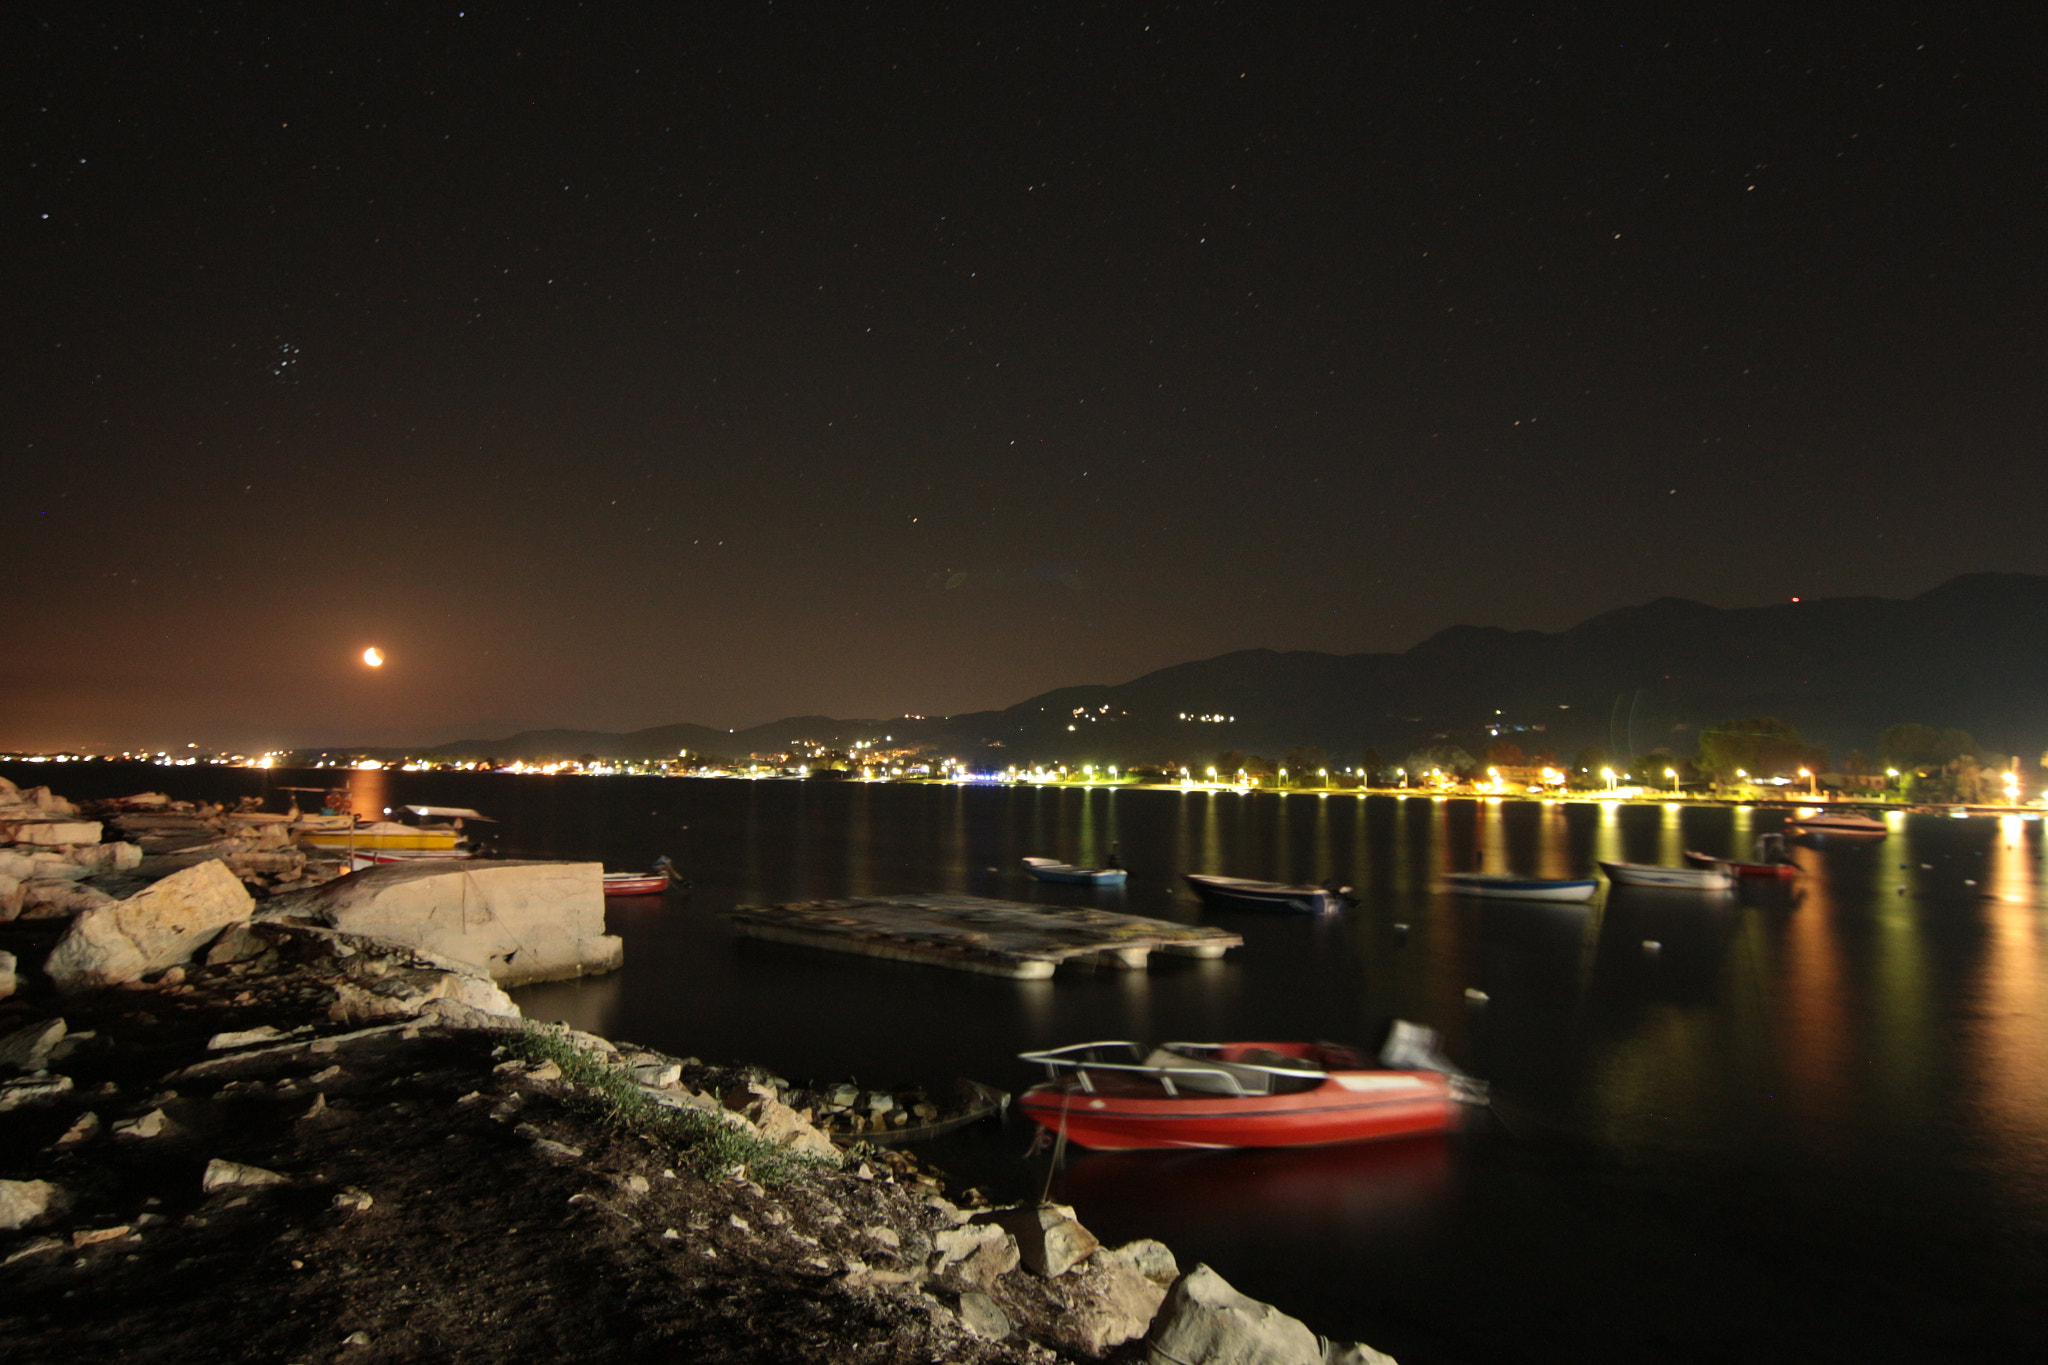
(1780, 870)
(643, 883)
(1116, 1096)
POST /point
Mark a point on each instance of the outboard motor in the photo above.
(1415, 1047)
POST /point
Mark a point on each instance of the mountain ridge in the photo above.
(1971, 652)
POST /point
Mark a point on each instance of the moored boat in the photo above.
(1240, 893)
(1742, 869)
(1052, 870)
(1853, 822)
(1503, 887)
(439, 831)
(1115, 1096)
(1715, 878)
(643, 883)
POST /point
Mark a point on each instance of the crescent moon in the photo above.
(373, 657)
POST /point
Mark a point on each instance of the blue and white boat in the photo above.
(1052, 870)
(1503, 887)
(1239, 893)
(1719, 877)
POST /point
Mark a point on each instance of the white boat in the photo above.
(1503, 887)
(1239, 893)
(1719, 877)
(1052, 870)
(1839, 822)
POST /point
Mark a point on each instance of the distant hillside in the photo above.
(1972, 653)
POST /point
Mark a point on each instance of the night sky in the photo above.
(614, 365)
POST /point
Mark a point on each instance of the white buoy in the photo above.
(1651, 945)
(1475, 995)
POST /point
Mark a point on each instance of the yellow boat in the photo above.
(344, 832)
(380, 834)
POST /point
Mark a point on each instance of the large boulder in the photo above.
(158, 927)
(1049, 1238)
(518, 921)
(1113, 1296)
(1206, 1322)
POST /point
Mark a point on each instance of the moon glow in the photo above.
(374, 657)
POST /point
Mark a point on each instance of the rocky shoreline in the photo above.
(257, 1137)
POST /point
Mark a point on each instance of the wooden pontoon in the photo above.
(972, 934)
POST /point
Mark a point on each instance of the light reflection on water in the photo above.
(1812, 1124)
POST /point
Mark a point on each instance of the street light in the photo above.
(1672, 773)
(1608, 773)
(1812, 787)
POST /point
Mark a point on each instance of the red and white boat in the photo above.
(643, 883)
(1115, 1096)
(1742, 869)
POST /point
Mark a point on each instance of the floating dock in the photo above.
(972, 934)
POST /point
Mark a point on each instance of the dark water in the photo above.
(1812, 1126)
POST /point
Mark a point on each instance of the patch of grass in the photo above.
(609, 1093)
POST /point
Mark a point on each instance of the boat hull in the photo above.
(1717, 878)
(616, 884)
(1231, 893)
(413, 840)
(1045, 870)
(1837, 827)
(1772, 871)
(1522, 888)
(1115, 1118)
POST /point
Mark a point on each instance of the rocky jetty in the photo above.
(233, 1136)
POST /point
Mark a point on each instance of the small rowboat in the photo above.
(1052, 870)
(1503, 887)
(1779, 870)
(643, 883)
(1239, 893)
(1715, 878)
(1117, 1097)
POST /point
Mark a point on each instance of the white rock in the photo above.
(1049, 1238)
(156, 1123)
(980, 1315)
(262, 1033)
(42, 830)
(59, 898)
(157, 927)
(1113, 1296)
(25, 1202)
(117, 857)
(1206, 1322)
(10, 896)
(30, 1090)
(27, 1049)
(233, 1175)
(973, 1254)
(518, 921)
(84, 1130)
(9, 982)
